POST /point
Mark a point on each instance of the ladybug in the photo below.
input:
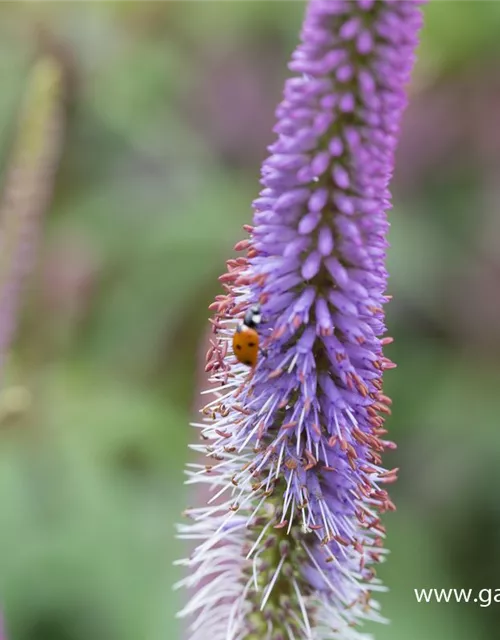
(246, 338)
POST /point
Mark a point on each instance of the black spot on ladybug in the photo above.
(251, 344)
(248, 362)
(238, 346)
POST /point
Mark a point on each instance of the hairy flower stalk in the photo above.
(288, 541)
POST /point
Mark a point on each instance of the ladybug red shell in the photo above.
(246, 338)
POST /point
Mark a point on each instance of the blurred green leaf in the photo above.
(70, 512)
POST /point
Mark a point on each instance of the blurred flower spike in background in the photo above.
(26, 196)
(28, 186)
(288, 540)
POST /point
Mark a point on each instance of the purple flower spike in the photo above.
(289, 538)
(28, 186)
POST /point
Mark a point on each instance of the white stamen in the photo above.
(302, 608)
(255, 511)
(254, 570)
(257, 542)
(234, 608)
(299, 428)
(337, 424)
(219, 493)
(324, 453)
(351, 417)
(249, 437)
(280, 459)
(263, 461)
(291, 517)
(288, 496)
(293, 362)
(289, 631)
(269, 476)
(272, 583)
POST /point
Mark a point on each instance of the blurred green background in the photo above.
(170, 111)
